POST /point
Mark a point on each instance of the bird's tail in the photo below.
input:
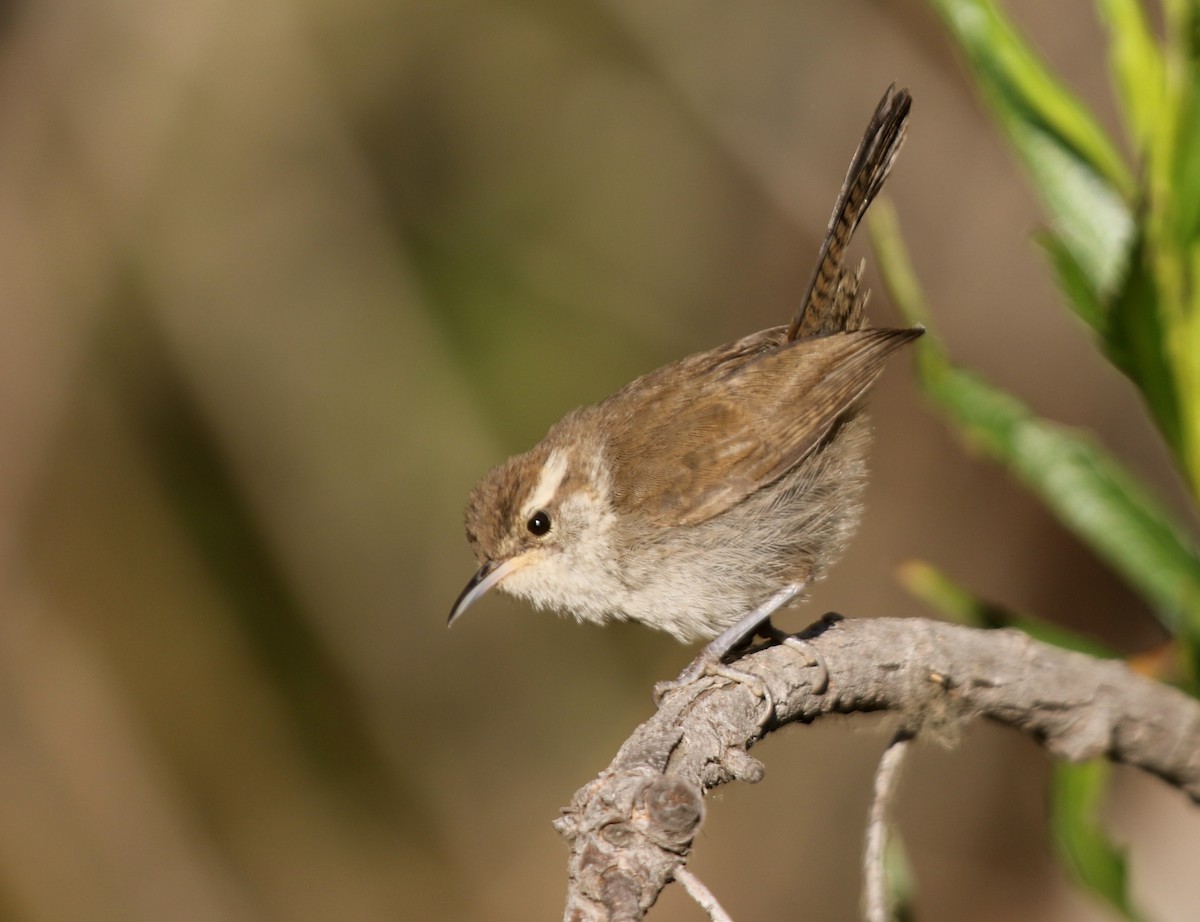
(833, 303)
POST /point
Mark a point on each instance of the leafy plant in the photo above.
(1123, 242)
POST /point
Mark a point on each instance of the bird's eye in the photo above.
(539, 523)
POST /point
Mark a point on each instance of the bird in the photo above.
(705, 495)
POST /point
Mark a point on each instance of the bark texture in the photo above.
(632, 826)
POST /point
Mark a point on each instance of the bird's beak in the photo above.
(487, 576)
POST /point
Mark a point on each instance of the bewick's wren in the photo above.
(703, 495)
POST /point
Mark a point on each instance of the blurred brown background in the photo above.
(279, 280)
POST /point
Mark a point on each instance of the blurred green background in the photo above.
(279, 281)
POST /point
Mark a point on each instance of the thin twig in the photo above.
(875, 879)
(702, 895)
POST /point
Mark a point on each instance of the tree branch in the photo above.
(632, 827)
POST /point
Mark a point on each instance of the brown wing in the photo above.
(700, 444)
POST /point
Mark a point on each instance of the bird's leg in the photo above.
(709, 660)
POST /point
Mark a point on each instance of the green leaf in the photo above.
(1136, 342)
(1078, 172)
(1176, 143)
(1130, 327)
(959, 604)
(1097, 864)
(1172, 230)
(1074, 282)
(1137, 286)
(1087, 489)
(1137, 66)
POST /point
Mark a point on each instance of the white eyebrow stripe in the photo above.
(551, 478)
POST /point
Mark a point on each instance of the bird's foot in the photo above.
(711, 660)
(707, 664)
(812, 656)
